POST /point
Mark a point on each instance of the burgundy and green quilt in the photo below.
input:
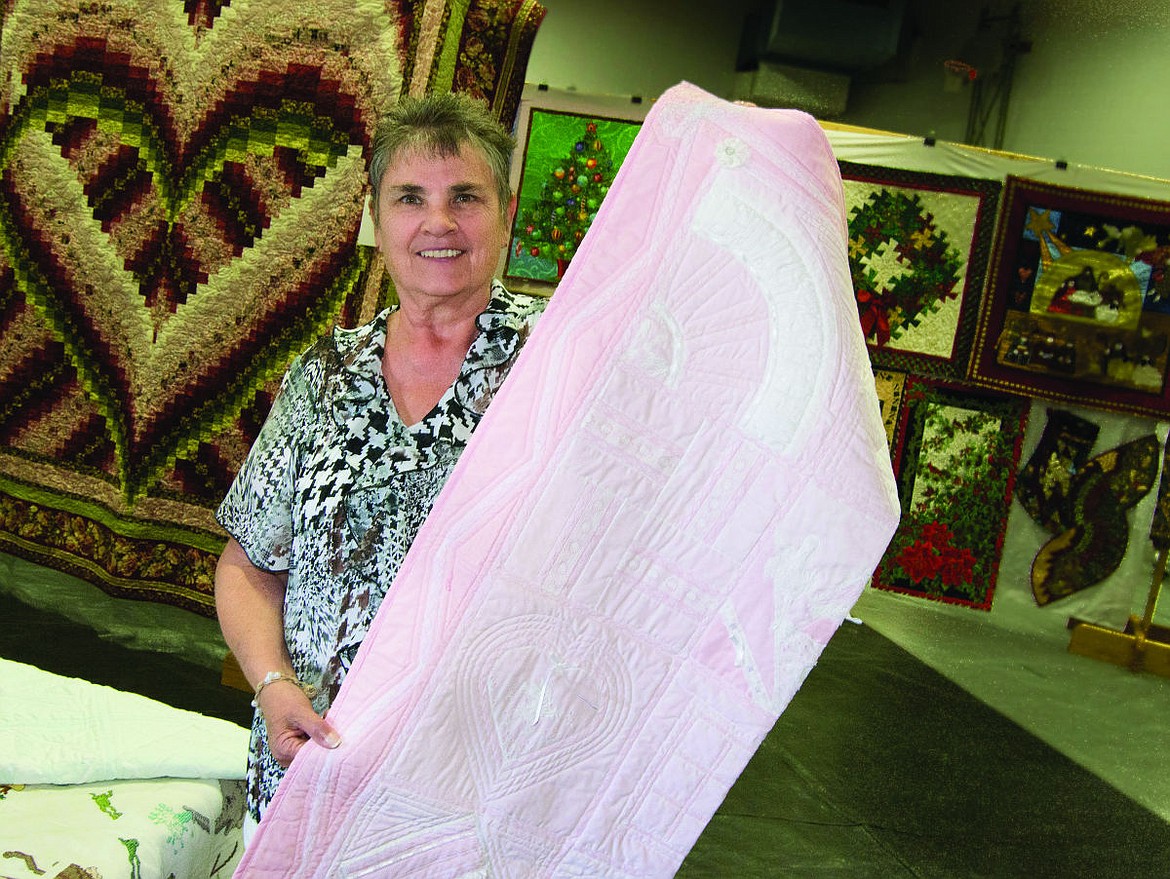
(181, 188)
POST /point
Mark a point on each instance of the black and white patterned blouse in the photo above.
(335, 488)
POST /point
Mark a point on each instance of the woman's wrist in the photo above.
(276, 677)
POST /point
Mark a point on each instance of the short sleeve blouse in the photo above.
(336, 486)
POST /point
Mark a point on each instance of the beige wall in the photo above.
(1093, 90)
(638, 47)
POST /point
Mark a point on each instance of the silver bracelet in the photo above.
(273, 676)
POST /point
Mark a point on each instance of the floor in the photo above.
(882, 767)
(1102, 716)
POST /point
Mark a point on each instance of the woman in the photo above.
(368, 425)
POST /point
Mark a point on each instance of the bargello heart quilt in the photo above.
(181, 188)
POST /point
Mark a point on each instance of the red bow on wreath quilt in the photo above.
(875, 317)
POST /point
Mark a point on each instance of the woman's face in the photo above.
(441, 225)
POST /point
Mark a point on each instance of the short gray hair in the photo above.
(440, 125)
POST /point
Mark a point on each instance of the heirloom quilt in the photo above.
(181, 187)
(670, 506)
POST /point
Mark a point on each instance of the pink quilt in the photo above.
(666, 513)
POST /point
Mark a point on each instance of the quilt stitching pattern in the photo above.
(181, 187)
(644, 548)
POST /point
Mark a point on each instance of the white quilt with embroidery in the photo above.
(665, 514)
(61, 730)
(99, 782)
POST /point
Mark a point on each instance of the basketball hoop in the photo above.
(962, 69)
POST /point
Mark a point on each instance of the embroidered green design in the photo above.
(105, 803)
(176, 824)
(135, 861)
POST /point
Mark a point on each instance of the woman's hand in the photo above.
(290, 721)
(250, 605)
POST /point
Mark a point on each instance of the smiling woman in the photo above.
(440, 230)
(368, 425)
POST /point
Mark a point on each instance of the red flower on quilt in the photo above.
(919, 561)
(956, 566)
(937, 534)
(932, 555)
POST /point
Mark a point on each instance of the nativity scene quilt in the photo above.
(1078, 304)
